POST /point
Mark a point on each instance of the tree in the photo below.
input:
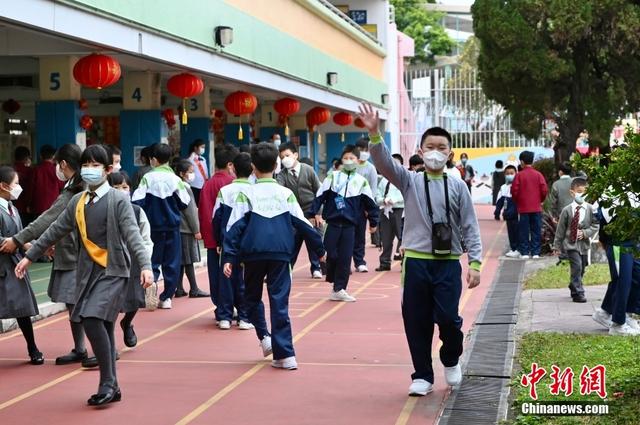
(576, 62)
(424, 26)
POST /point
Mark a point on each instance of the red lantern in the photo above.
(241, 103)
(219, 113)
(97, 71)
(11, 106)
(286, 107)
(169, 117)
(342, 119)
(185, 85)
(83, 104)
(358, 123)
(317, 116)
(86, 122)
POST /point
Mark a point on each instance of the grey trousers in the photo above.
(578, 264)
(390, 229)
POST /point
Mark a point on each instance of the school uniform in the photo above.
(576, 217)
(189, 226)
(16, 296)
(231, 290)
(431, 280)
(390, 219)
(162, 195)
(507, 205)
(344, 198)
(107, 229)
(260, 235)
(368, 171)
(201, 172)
(134, 298)
(497, 181)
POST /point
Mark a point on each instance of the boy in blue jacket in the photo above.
(162, 195)
(510, 212)
(260, 234)
(345, 196)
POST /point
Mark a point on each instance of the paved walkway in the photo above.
(353, 359)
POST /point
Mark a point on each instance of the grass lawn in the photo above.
(618, 354)
(558, 277)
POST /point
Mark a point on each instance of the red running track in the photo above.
(354, 364)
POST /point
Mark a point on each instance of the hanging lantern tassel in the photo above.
(184, 111)
(319, 137)
(342, 137)
(286, 127)
(240, 134)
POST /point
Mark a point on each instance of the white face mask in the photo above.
(276, 142)
(116, 167)
(60, 175)
(15, 192)
(288, 162)
(201, 151)
(349, 165)
(364, 156)
(126, 191)
(191, 177)
(435, 160)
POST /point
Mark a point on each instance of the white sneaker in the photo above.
(224, 324)
(602, 317)
(453, 375)
(362, 268)
(265, 343)
(342, 295)
(245, 326)
(633, 323)
(624, 330)
(165, 305)
(420, 387)
(535, 257)
(288, 363)
(317, 274)
(524, 257)
(512, 254)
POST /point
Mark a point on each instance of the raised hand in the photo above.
(370, 118)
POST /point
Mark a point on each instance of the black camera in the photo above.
(441, 239)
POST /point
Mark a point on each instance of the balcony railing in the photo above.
(348, 20)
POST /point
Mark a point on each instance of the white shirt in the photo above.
(100, 192)
(583, 210)
(453, 172)
(198, 181)
(296, 169)
(4, 204)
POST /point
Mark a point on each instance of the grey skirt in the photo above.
(102, 297)
(134, 299)
(63, 286)
(190, 249)
(16, 296)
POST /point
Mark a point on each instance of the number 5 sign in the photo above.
(56, 78)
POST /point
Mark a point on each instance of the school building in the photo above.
(133, 73)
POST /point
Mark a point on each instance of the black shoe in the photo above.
(72, 357)
(90, 362)
(579, 299)
(397, 257)
(198, 294)
(36, 358)
(112, 395)
(383, 269)
(130, 338)
(180, 293)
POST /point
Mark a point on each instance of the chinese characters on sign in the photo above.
(592, 380)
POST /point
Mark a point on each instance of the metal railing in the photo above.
(348, 20)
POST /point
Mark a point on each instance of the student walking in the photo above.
(368, 171)
(17, 299)
(162, 195)
(189, 235)
(260, 235)
(302, 180)
(63, 287)
(346, 199)
(529, 190)
(104, 219)
(497, 180)
(200, 169)
(391, 205)
(439, 213)
(507, 205)
(576, 226)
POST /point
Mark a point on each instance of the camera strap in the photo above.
(446, 197)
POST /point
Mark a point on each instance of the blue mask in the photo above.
(92, 176)
(579, 199)
(509, 178)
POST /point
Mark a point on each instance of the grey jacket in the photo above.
(189, 222)
(560, 196)
(589, 225)
(368, 171)
(417, 229)
(66, 257)
(122, 228)
(304, 187)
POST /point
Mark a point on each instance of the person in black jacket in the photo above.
(507, 205)
(498, 180)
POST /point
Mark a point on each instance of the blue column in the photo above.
(197, 128)
(231, 134)
(57, 123)
(138, 128)
(266, 133)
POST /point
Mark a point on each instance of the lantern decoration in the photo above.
(315, 117)
(185, 85)
(358, 123)
(86, 122)
(10, 106)
(219, 120)
(83, 104)
(286, 107)
(97, 71)
(342, 119)
(241, 103)
(169, 117)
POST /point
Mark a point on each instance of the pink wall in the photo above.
(406, 49)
